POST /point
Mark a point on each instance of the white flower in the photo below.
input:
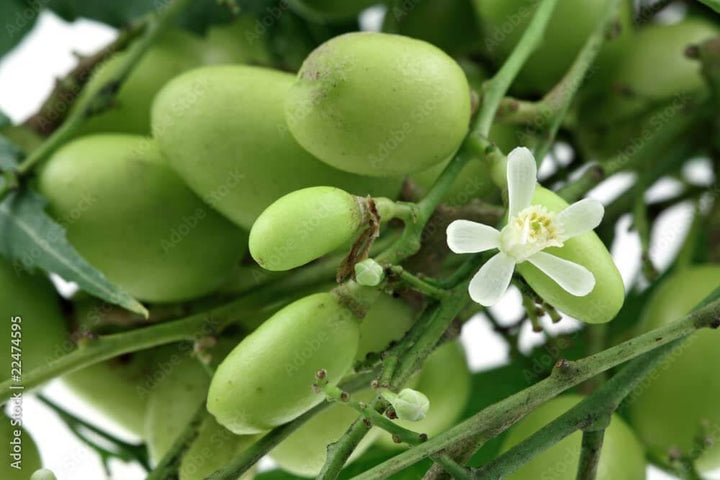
(530, 230)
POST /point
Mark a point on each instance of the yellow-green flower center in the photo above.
(533, 229)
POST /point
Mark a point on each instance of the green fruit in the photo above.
(304, 225)
(305, 450)
(504, 21)
(172, 404)
(669, 408)
(604, 301)
(43, 474)
(267, 379)
(448, 24)
(331, 9)
(25, 456)
(174, 53)
(130, 216)
(655, 70)
(238, 155)
(379, 104)
(233, 43)
(32, 320)
(622, 457)
(387, 320)
(118, 388)
(445, 380)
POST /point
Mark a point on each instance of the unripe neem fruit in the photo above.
(223, 130)
(172, 404)
(504, 21)
(173, 53)
(668, 409)
(448, 24)
(387, 320)
(445, 380)
(304, 225)
(131, 216)
(30, 314)
(604, 301)
(656, 69)
(622, 456)
(331, 9)
(30, 455)
(232, 44)
(379, 104)
(267, 379)
(304, 451)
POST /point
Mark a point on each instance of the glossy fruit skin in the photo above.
(386, 321)
(379, 104)
(267, 379)
(504, 21)
(667, 410)
(131, 217)
(305, 225)
(445, 380)
(238, 155)
(622, 457)
(172, 54)
(448, 24)
(30, 456)
(42, 330)
(604, 301)
(171, 406)
(330, 9)
(656, 69)
(305, 450)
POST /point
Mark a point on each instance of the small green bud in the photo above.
(409, 404)
(369, 273)
(43, 474)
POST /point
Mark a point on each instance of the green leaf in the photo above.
(30, 236)
(17, 20)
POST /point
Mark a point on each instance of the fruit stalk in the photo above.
(170, 463)
(591, 448)
(495, 419)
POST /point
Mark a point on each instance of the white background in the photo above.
(26, 77)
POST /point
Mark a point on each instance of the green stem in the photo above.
(104, 95)
(494, 89)
(642, 225)
(416, 283)
(590, 450)
(170, 462)
(495, 419)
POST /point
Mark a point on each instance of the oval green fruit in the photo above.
(504, 21)
(304, 451)
(238, 155)
(331, 9)
(32, 320)
(305, 225)
(387, 320)
(622, 456)
(234, 44)
(448, 24)
(445, 381)
(172, 54)
(669, 408)
(604, 301)
(172, 404)
(655, 70)
(267, 379)
(131, 216)
(379, 104)
(28, 457)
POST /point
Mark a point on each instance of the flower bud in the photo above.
(409, 404)
(43, 474)
(369, 273)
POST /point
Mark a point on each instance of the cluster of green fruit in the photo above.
(205, 158)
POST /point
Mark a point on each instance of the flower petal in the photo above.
(581, 217)
(492, 280)
(464, 236)
(573, 278)
(521, 179)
